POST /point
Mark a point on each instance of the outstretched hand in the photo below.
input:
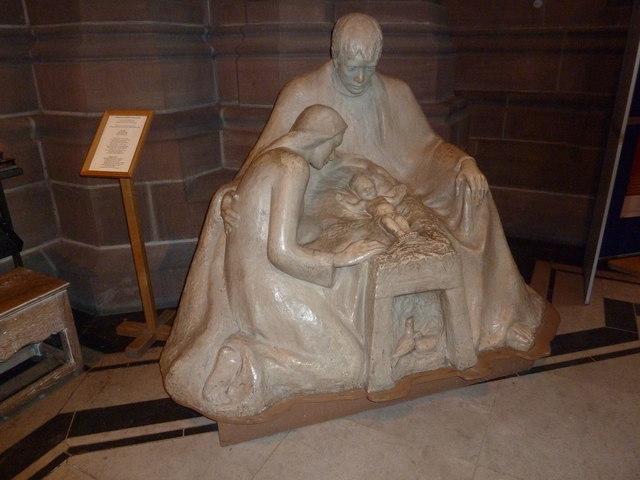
(470, 177)
(358, 252)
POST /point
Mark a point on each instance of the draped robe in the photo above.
(387, 126)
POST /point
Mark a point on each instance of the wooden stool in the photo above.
(34, 306)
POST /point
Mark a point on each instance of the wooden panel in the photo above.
(21, 286)
(34, 323)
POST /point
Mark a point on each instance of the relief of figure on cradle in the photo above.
(366, 200)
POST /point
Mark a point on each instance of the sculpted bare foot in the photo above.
(520, 336)
(226, 368)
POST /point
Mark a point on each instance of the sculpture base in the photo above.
(307, 410)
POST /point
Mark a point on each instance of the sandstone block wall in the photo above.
(528, 91)
(540, 80)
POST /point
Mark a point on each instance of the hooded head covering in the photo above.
(321, 121)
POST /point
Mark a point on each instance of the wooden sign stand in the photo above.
(114, 153)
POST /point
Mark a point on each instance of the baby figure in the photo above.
(380, 207)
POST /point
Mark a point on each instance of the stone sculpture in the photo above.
(387, 261)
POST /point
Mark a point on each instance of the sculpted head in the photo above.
(319, 130)
(363, 186)
(356, 45)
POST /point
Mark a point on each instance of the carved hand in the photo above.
(386, 180)
(230, 217)
(470, 176)
(358, 252)
(397, 193)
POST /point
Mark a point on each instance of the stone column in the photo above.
(28, 195)
(92, 56)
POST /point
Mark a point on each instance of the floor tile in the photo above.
(120, 417)
(626, 291)
(577, 417)
(568, 299)
(136, 432)
(452, 422)
(486, 474)
(590, 339)
(121, 358)
(185, 458)
(44, 465)
(37, 412)
(589, 354)
(37, 444)
(118, 386)
(68, 471)
(548, 426)
(342, 449)
(617, 375)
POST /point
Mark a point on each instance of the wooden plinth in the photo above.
(307, 410)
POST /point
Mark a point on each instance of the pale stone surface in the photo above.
(558, 409)
(358, 452)
(67, 471)
(289, 293)
(38, 412)
(451, 423)
(575, 314)
(412, 438)
(195, 456)
(109, 387)
(462, 434)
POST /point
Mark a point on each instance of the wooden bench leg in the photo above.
(69, 337)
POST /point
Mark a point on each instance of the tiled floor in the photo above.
(575, 415)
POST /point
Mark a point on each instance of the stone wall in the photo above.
(28, 196)
(540, 80)
(260, 45)
(77, 59)
(211, 69)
